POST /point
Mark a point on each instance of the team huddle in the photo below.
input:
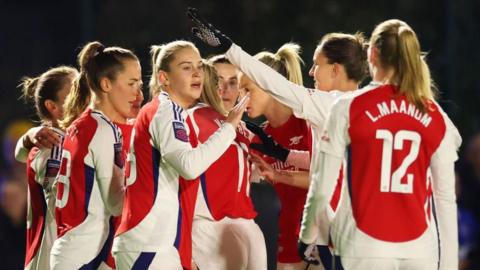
(365, 177)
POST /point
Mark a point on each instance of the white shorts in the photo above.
(389, 263)
(228, 244)
(165, 260)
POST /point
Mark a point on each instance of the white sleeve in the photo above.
(39, 164)
(443, 185)
(322, 184)
(21, 153)
(169, 134)
(110, 177)
(299, 159)
(309, 104)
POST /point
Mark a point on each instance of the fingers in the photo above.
(45, 137)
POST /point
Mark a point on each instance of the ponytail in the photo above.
(286, 61)
(154, 84)
(95, 62)
(289, 54)
(76, 101)
(28, 86)
(399, 49)
(46, 87)
(414, 80)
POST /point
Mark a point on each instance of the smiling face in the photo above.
(184, 80)
(126, 94)
(322, 72)
(259, 100)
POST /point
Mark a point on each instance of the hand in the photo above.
(307, 252)
(269, 146)
(42, 136)
(207, 33)
(235, 115)
(265, 169)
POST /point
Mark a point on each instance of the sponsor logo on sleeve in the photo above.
(118, 150)
(53, 166)
(180, 131)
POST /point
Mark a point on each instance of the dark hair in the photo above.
(46, 87)
(95, 62)
(347, 50)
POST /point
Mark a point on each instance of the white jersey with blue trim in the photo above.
(43, 166)
(89, 191)
(161, 160)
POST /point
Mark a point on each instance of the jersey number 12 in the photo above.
(392, 142)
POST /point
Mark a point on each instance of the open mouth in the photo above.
(196, 85)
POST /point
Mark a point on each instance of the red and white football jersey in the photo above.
(293, 134)
(159, 201)
(392, 148)
(225, 185)
(85, 202)
(42, 169)
(126, 134)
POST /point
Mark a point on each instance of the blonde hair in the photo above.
(285, 61)
(210, 93)
(399, 49)
(95, 62)
(161, 57)
(46, 87)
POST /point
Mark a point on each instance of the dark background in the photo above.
(37, 35)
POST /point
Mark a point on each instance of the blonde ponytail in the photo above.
(289, 54)
(399, 50)
(154, 84)
(286, 61)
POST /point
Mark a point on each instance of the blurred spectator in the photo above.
(468, 232)
(13, 199)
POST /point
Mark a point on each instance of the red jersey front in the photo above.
(225, 185)
(293, 134)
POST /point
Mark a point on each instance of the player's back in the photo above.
(391, 146)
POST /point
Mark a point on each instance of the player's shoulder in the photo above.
(169, 109)
(106, 129)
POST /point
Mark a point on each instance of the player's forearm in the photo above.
(299, 159)
(21, 152)
(298, 179)
(446, 211)
(113, 191)
(322, 185)
(192, 162)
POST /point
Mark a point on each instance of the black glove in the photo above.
(269, 146)
(207, 33)
(306, 252)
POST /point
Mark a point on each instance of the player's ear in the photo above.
(163, 78)
(105, 84)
